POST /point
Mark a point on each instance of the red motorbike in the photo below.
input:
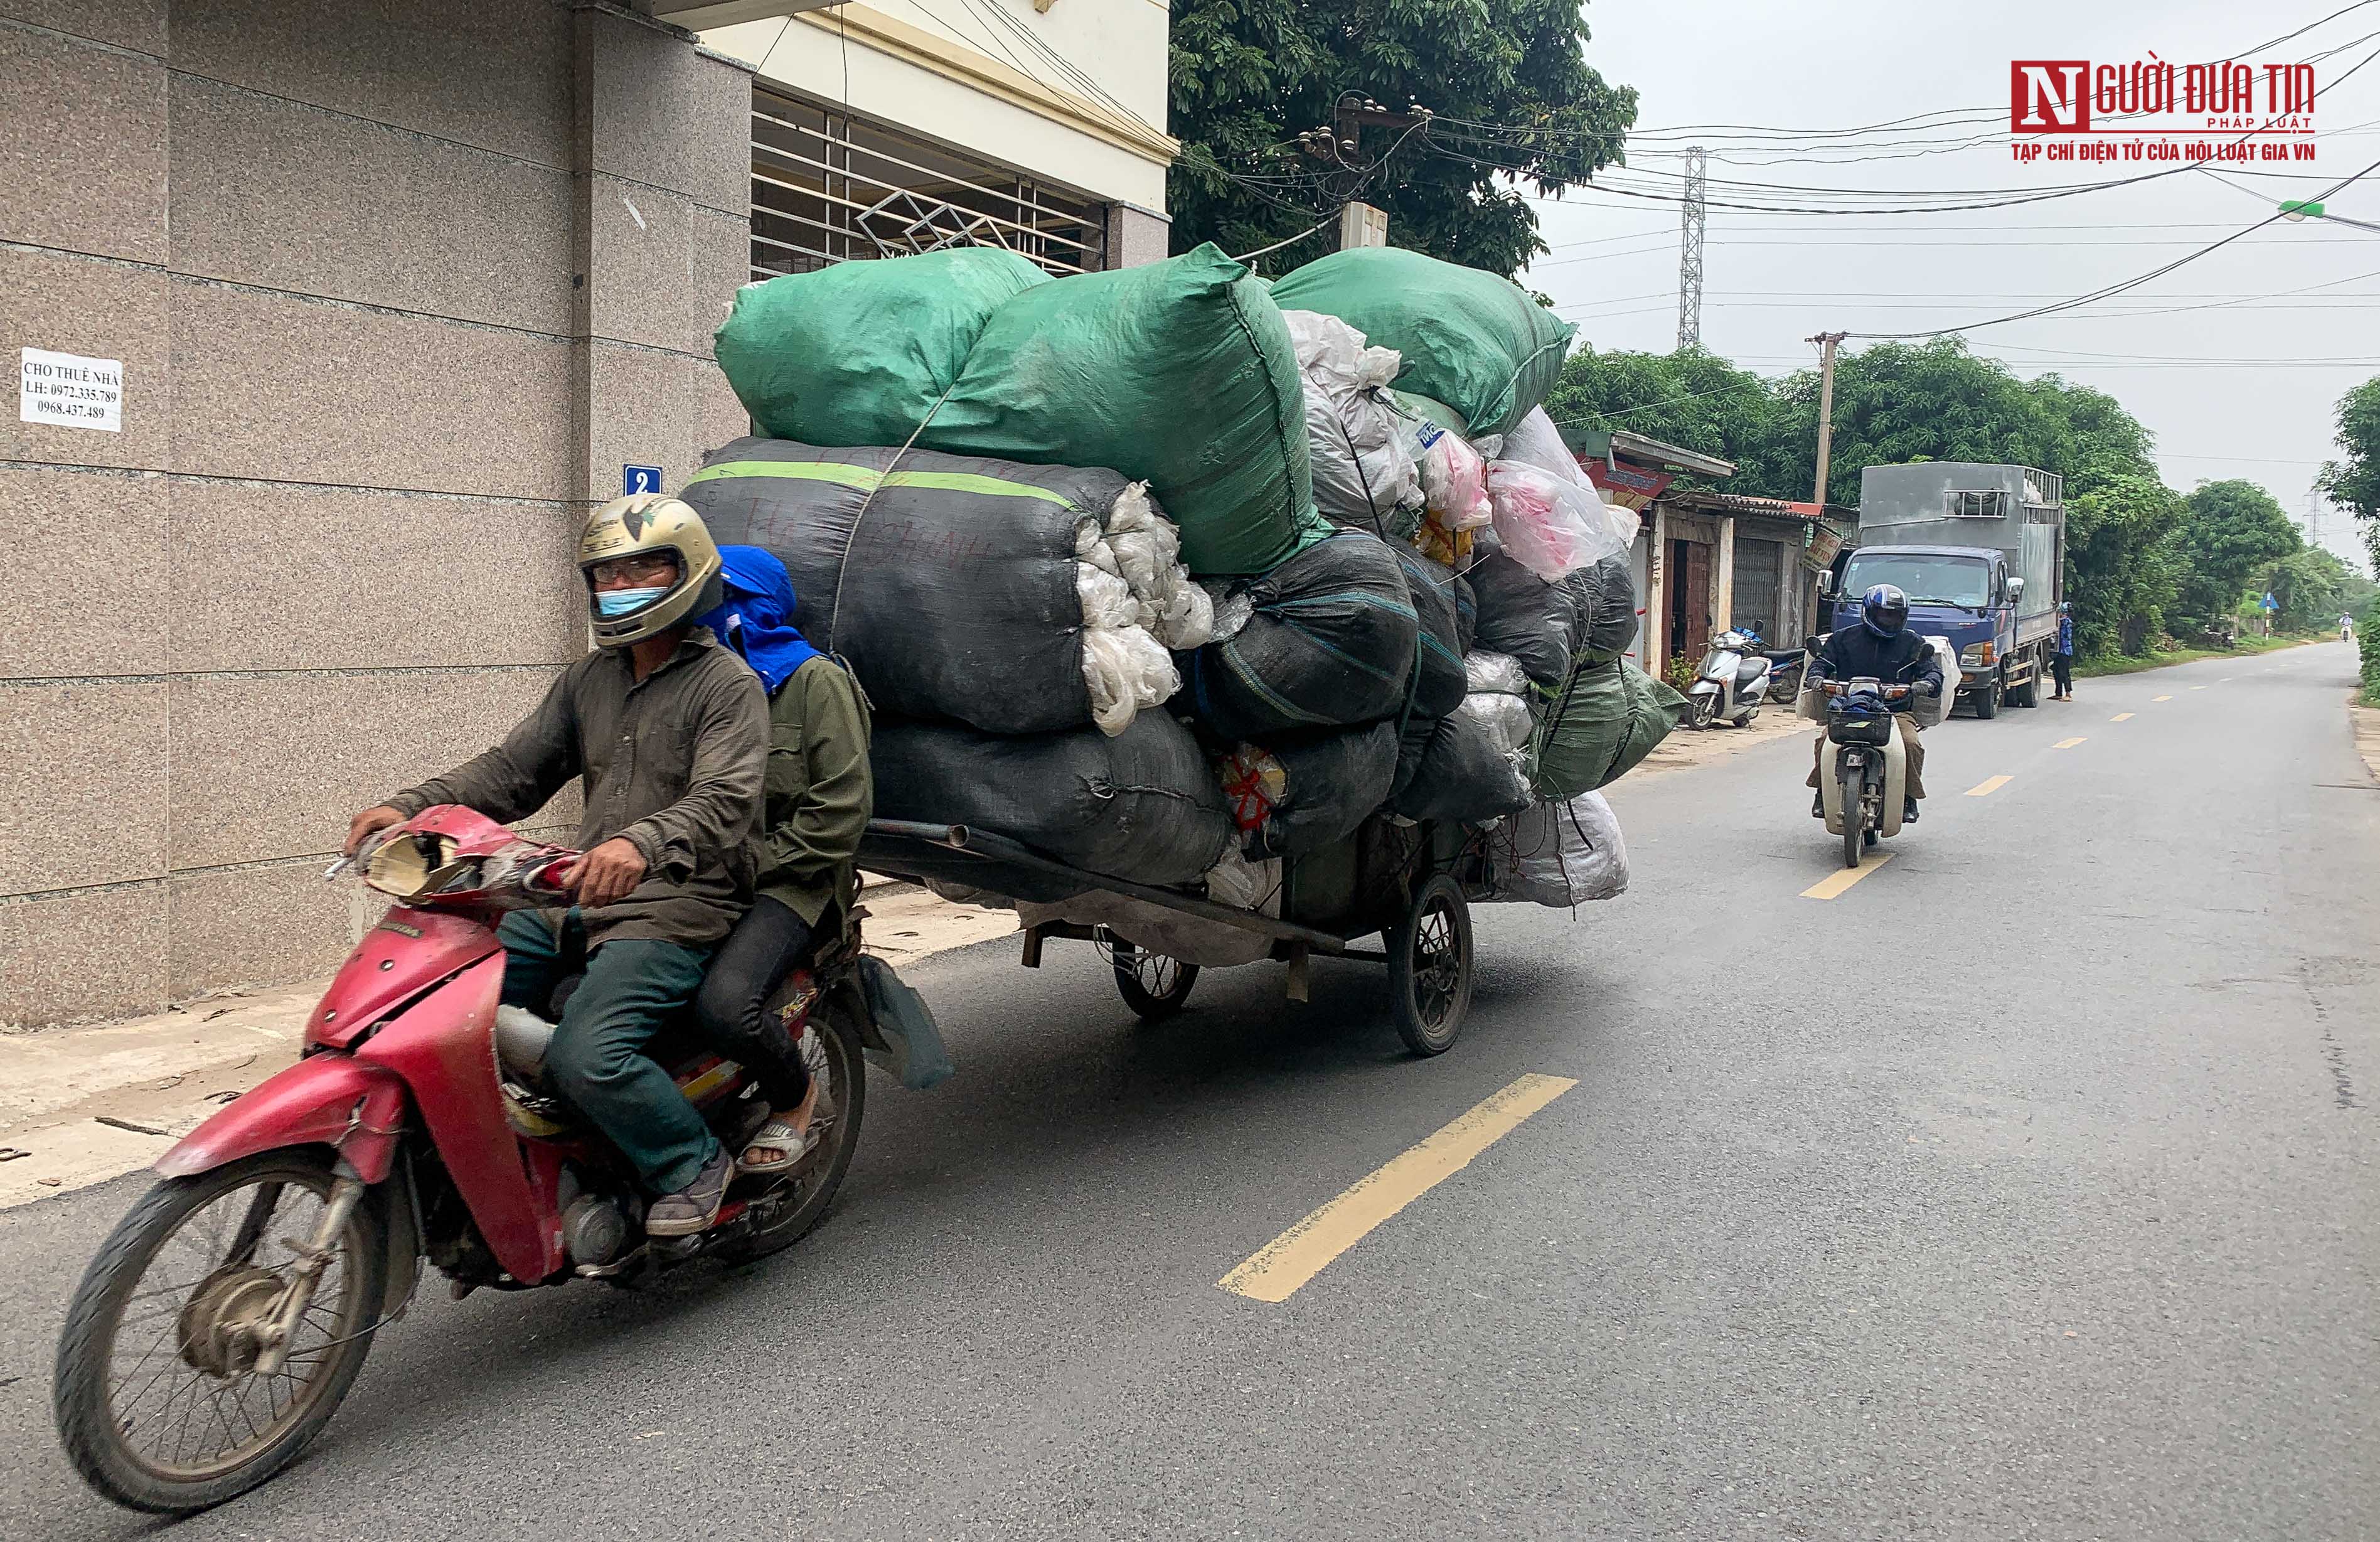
(228, 1314)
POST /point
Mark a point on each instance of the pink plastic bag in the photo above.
(1548, 524)
(1454, 483)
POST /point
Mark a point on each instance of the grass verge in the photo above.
(2125, 664)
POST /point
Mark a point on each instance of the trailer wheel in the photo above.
(1429, 967)
(1153, 985)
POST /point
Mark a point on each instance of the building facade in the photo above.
(333, 321)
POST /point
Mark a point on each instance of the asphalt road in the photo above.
(2024, 1190)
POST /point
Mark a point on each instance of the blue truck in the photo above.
(1980, 551)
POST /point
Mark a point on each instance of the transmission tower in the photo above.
(1690, 252)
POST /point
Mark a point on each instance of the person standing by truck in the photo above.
(2061, 660)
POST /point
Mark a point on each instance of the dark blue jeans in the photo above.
(629, 989)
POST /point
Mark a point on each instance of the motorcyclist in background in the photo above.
(1882, 647)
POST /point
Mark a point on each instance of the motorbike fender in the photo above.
(1896, 782)
(443, 1047)
(325, 1099)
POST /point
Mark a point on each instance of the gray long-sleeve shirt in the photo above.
(673, 763)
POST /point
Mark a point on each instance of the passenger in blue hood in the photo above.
(819, 793)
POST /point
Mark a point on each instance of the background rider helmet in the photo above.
(649, 564)
(1884, 611)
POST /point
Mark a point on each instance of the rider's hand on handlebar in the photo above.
(369, 822)
(607, 874)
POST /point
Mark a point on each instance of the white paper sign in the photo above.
(68, 390)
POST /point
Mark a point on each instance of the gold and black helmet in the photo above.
(652, 523)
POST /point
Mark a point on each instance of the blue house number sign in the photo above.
(640, 478)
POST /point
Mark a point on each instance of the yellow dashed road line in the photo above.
(1836, 882)
(2160, 699)
(2119, 717)
(2068, 743)
(1275, 1271)
(1986, 789)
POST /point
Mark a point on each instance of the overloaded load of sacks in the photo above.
(1170, 576)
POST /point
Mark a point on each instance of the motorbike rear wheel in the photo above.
(1854, 817)
(787, 1213)
(157, 1398)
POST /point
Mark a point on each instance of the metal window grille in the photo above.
(1991, 503)
(829, 187)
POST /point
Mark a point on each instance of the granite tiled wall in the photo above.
(397, 290)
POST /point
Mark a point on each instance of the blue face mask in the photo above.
(621, 601)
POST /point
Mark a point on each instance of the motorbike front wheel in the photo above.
(1854, 818)
(1704, 709)
(158, 1399)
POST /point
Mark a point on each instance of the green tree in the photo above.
(1690, 398)
(2229, 530)
(2120, 572)
(2354, 483)
(2314, 588)
(1248, 76)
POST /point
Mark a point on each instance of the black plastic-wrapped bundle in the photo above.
(1450, 614)
(1522, 615)
(1456, 773)
(1332, 783)
(958, 588)
(1606, 620)
(1142, 806)
(1330, 643)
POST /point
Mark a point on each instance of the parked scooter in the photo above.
(228, 1314)
(1861, 792)
(1733, 683)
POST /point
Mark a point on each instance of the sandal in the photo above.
(783, 1140)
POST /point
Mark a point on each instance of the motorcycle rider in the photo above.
(820, 791)
(669, 733)
(1882, 647)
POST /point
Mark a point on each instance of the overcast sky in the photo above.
(2247, 401)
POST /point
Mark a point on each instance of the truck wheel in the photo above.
(1988, 700)
(2028, 693)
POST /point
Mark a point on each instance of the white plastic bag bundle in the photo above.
(1562, 853)
(1535, 442)
(1929, 712)
(1138, 602)
(1549, 526)
(1147, 551)
(1505, 718)
(1500, 673)
(1363, 462)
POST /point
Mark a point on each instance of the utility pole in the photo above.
(1690, 251)
(1360, 225)
(1825, 341)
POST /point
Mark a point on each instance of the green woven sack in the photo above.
(1595, 726)
(1180, 372)
(1476, 341)
(1652, 714)
(855, 354)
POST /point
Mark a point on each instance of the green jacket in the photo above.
(820, 791)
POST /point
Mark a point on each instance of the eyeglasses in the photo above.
(644, 567)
